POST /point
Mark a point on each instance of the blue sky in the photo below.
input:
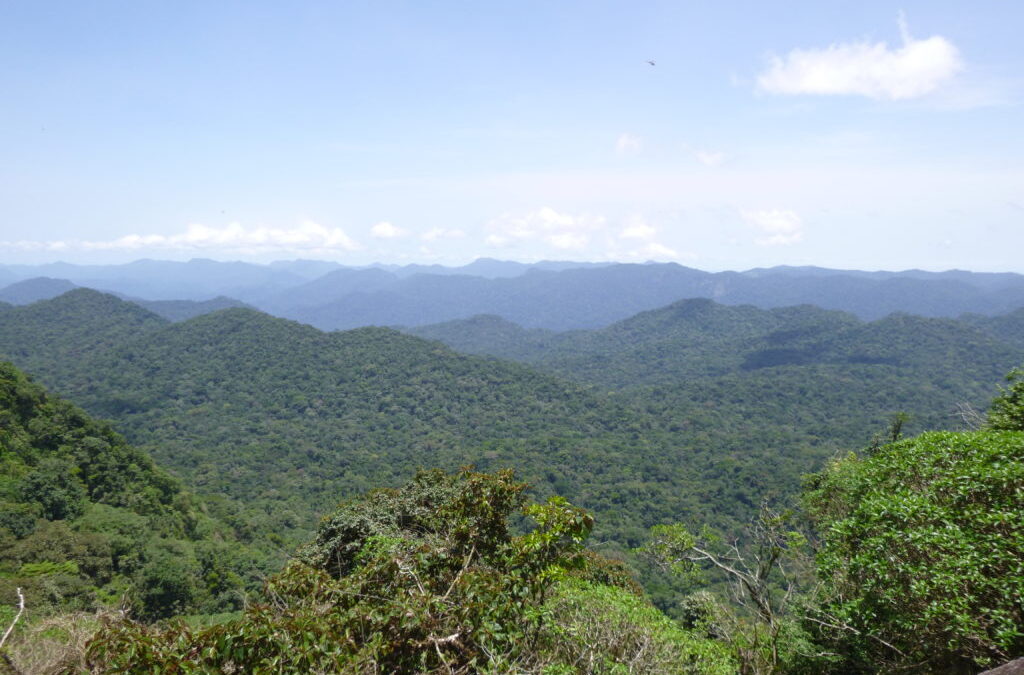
(868, 135)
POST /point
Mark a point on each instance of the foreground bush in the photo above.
(430, 579)
(596, 629)
(922, 552)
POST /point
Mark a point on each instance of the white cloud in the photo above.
(385, 230)
(568, 241)
(709, 158)
(560, 230)
(651, 250)
(442, 233)
(308, 236)
(628, 144)
(637, 228)
(656, 251)
(875, 70)
(780, 227)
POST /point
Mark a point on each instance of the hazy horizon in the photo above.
(455, 265)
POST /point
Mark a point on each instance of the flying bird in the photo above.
(651, 62)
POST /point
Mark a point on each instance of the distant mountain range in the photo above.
(550, 295)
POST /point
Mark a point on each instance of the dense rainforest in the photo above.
(89, 522)
(695, 414)
(910, 563)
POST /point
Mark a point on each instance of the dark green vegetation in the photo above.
(431, 579)
(180, 310)
(771, 392)
(88, 521)
(917, 561)
(696, 411)
(921, 552)
(289, 418)
(915, 565)
(1007, 412)
(51, 339)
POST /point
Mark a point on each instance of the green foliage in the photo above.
(46, 567)
(596, 629)
(55, 489)
(1007, 410)
(921, 552)
(429, 578)
(694, 412)
(761, 631)
(87, 520)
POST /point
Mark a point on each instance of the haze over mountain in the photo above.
(36, 288)
(550, 295)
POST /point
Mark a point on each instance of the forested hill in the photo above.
(290, 419)
(698, 337)
(1008, 327)
(52, 337)
(768, 388)
(713, 406)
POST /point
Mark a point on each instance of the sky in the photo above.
(868, 135)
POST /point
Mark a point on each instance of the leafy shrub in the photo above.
(921, 551)
(428, 578)
(1007, 410)
(596, 629)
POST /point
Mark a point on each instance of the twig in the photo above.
(842, 625)
(21, 608)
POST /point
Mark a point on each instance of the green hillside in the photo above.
(180, 310)
(87, 520)
(695, 412)
(755, 398)
(289, 419)
(788, 364)
(50, 338)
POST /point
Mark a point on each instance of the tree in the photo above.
(764, 574)
(55, 488)
(1007, 411)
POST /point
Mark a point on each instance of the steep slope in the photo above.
(86, 519)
